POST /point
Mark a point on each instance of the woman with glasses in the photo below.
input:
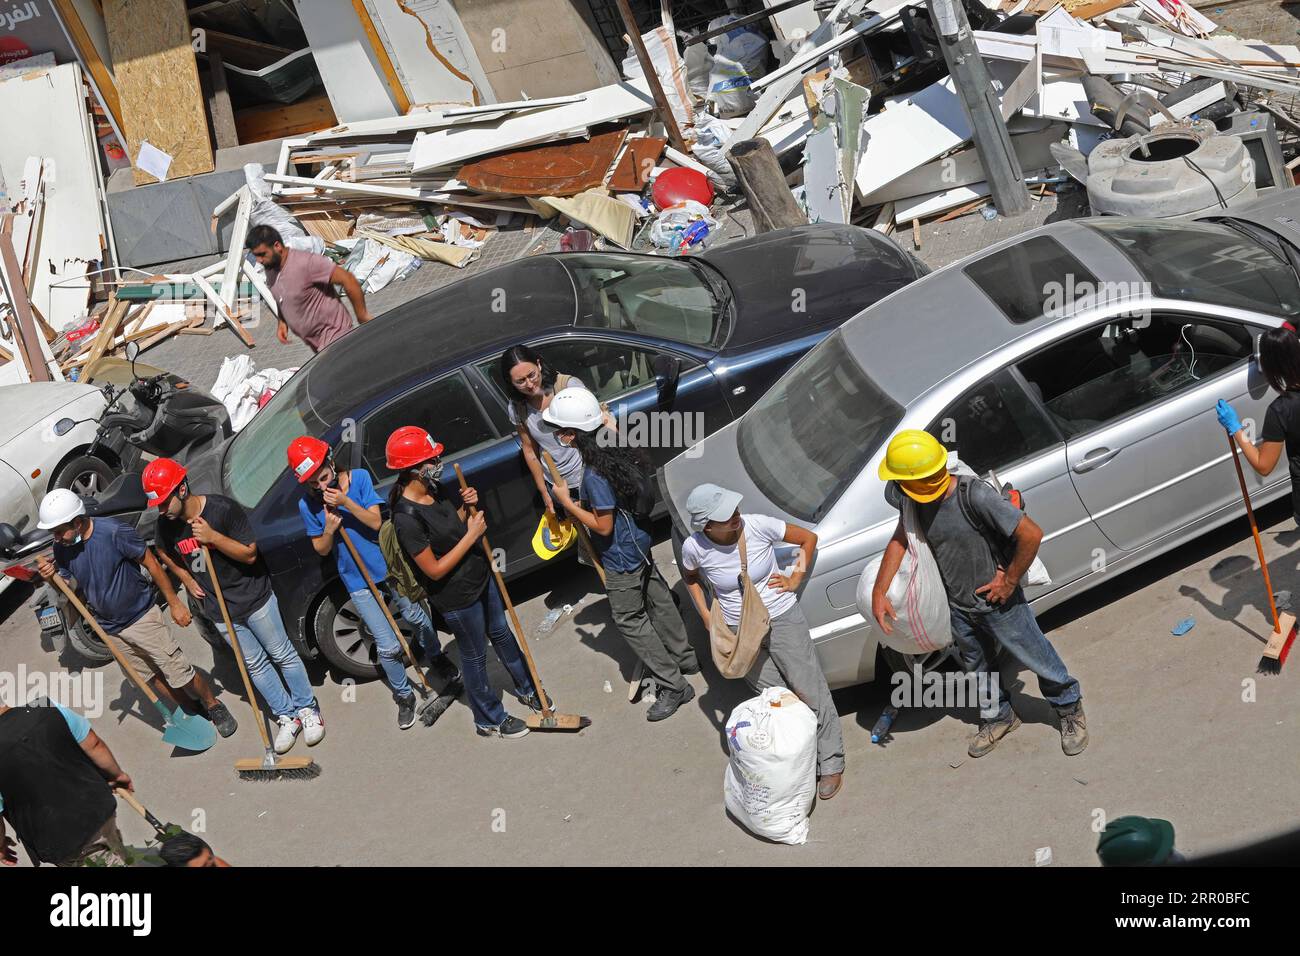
(441, 538)
(531, 385)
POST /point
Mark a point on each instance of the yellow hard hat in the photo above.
(912, 455)
(553, 536)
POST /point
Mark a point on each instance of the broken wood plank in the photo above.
(223, 311)
(960, 210)
(108, 329)
(219, 108)
(235, 255)
(257, 124)
(916, 234)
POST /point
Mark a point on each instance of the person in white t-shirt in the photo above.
(788, 658)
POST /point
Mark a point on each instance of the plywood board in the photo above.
(158, 84)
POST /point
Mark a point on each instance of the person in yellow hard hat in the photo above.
(983, 545)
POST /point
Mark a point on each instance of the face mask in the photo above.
(430, 473)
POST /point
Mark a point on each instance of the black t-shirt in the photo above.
(1282, 423)
(438, 526)
(246, 587)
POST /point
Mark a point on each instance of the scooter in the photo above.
(160, 415)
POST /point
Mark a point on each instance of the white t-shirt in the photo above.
(567, 458)
(720, 566)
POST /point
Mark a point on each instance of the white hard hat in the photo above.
(574, 408)
(59, 507)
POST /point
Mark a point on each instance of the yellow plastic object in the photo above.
(553, 536)
(912, 455)
(929, 489)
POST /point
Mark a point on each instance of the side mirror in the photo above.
(668, 370)
(9, 536)
(63, 426)
(132, 350)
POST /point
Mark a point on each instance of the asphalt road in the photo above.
(1171, 734)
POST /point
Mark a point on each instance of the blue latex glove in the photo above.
(1228, 417)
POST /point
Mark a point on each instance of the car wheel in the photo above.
(87, 645)
(344, 639)
(86, 475)
(895, 661)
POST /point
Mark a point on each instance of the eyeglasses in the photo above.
(532, 378)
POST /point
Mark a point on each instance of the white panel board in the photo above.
(453, 73)
(353, 78)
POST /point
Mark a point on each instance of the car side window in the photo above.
(1112, 370)
(446, 408)
(609, 369)
(994, 424)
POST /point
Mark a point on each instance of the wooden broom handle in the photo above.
(379, 599)
(113, 649)
(1254, 530)
(510, 607)
(582, 529)
(234, 643)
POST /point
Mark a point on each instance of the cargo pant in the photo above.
(788, 659)
(646, 615)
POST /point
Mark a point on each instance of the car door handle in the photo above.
(1095, 459)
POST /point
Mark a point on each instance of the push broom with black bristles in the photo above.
(1284, 625)
(271, 766)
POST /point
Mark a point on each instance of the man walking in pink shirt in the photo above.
(303, 285)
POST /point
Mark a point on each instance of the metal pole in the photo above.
(971, 79)
(652, 78)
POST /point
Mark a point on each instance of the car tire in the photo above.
(892, 661)
(87, 475)
(344, 640)
(87, 645)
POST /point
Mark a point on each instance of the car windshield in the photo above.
(666, 298)
(1206, 262)
(812, 433)
(255, 458)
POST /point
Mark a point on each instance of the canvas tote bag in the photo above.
(734, 652)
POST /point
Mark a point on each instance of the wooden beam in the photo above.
(651, 77)
(223, 116)
(381, 54)
(277, 120)
(85, 47)
(26, 334)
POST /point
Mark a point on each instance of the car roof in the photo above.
(909, 340)
(441, 330)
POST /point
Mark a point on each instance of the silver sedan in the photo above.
(1080, 361)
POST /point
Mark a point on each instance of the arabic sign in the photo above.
(30, 28)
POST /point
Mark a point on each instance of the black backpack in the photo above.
(1003, 548)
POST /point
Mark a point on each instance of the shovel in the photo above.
(164, 830)
(180, 729)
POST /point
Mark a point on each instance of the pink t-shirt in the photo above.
(308, 303)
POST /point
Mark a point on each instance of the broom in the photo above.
(1284, 626)
(272, 766)
(549, 720)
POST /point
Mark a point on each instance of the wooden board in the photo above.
(564, 169)
(640, 157)
(275, 121)
(158, 82)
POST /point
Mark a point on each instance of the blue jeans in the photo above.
(386, 643)
(263, 642)
(414, 614)
(1014, 627)
(474, 626)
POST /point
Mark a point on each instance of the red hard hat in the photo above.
(160, 478)
(306, 455)
(409, 446)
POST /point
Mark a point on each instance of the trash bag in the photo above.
(711, 135)
(740, 58)
(267, 212)
(667, 230)
(771, 777)
(923, 623)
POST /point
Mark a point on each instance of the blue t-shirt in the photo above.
(79, 726)
(107, 568)
(623, 550)
(366, 540)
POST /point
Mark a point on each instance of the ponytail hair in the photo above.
(1279, 358)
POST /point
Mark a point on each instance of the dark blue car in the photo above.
(700, 336)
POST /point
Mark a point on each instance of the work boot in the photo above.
(829, 785)
(990, 732)
(1074, 729)
(444, 669)
(287, 733)
(667, 701)
(406, 712)
(509, 728)
(222, 719)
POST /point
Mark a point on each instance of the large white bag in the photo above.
(740, 59)
(772, 775)
(923, 624)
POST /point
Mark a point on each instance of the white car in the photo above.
(33, 458)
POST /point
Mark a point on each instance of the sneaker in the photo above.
(406, 712)
(668, 700)
(287, 734)
(990, 732)
(444, 669)
(313, 726)
(533, 704)
(222, 719)
(511, 727)
(1074, 730)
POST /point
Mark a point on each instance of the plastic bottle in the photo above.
(881, 730)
